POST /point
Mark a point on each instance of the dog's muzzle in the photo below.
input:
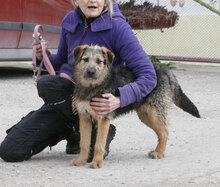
(90, 73)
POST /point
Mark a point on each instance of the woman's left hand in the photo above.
(106, 104)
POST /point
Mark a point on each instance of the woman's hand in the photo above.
(39, 51)
(106, 104)
(64, 75)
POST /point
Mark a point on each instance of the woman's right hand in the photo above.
(39, 52)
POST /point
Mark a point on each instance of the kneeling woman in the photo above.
(91, 22)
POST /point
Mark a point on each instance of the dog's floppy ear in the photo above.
(78, 52)
(109, 56)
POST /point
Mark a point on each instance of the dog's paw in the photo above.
(156, 155)
(96, 164)
(78, 162)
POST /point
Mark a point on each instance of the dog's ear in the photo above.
(109, 56)
(78, 52)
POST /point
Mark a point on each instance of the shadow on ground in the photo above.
(11, 72)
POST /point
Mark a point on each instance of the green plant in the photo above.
(158, 63)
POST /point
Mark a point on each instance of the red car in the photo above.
(17, 22)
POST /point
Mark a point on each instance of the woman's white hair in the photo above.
(109, 6)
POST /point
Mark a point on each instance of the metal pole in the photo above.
(187, 59)
(201, 2)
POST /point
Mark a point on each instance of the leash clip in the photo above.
(40, 37)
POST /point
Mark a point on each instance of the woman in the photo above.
(91, 22)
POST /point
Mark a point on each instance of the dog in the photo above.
(95, 75)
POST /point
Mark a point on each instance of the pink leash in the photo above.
(38, 36)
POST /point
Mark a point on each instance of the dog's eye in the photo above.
(86, 59)
(98, 61)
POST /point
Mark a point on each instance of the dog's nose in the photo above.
(91, 72)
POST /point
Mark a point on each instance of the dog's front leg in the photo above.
(85, 138)
(103, 128)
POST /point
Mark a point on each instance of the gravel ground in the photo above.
(192, 154)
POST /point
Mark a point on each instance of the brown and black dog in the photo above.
(95, 75)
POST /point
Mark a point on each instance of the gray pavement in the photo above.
(192, 154)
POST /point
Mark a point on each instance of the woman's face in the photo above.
(91, 8)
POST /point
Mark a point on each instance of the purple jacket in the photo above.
(116, 35)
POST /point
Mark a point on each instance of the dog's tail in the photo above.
(181, 100)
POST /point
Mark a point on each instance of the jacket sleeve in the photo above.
(60, 59)
(131, 52)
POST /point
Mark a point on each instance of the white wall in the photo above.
(193, 36)
(197, 33)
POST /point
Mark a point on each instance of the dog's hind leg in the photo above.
(85, 138)
(103, 128)
(150, 116)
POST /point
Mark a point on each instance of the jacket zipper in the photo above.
(85, 31)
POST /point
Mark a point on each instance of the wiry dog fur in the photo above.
(95, 75)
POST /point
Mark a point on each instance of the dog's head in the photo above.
(92, 64)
